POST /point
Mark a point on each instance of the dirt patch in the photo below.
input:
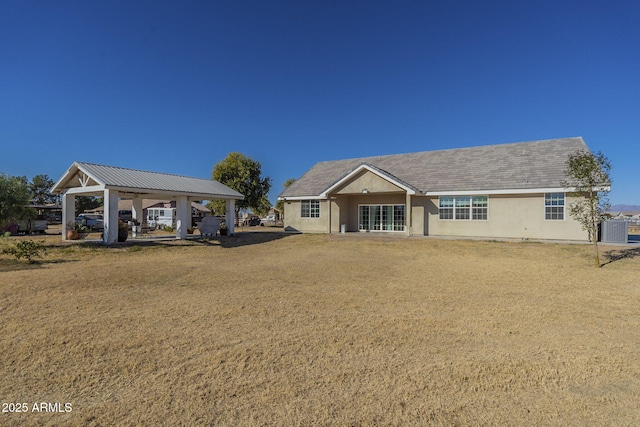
(269, 328)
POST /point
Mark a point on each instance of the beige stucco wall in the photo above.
(509, 216)
(366, 180)
(294, 222)
(344, 210)
(349, 216)
(419, 209)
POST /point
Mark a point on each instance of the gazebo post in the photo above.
(110, 234)
(136, 209)
(183, 216)
(68, 212)
(230, 217)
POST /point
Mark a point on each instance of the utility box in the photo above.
(614, 231)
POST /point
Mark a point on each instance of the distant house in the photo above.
(625, 215)
(632, 217)
(506, 190)
(156, 212)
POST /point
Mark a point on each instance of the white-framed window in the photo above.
(446, 207)
(310, 209)
(480, 207)
(554, 206)
(463, 207)
(381, 217)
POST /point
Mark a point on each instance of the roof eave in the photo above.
(195, 194)
(501, 191)
(314, 197)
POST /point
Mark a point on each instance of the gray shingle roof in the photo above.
(515, 166)
(138, 180)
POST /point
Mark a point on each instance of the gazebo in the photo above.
(115, 183)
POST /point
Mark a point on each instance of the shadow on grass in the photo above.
(18, 265)
(73, 252)
(250, 238)
(615, 255)
(23, 264)
(237, 240)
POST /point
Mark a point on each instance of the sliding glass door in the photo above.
(381, 217)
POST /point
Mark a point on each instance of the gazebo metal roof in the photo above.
(90, 178)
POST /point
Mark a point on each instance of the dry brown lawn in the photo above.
(266, 329)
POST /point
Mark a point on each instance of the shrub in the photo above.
(26, 249)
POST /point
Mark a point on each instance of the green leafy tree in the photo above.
(280, 203)
(14, 199)
(588, 174)
(85, 203)
(242, 174)
(263, 209)
(218, 207)
(39, 187)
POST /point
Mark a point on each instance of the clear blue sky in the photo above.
(175, 86)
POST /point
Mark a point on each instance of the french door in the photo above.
(381, 217)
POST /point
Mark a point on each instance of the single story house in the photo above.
(503, 191)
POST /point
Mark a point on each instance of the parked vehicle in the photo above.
(28, 226)
(92, 221)
(268, 220)
(250, 221)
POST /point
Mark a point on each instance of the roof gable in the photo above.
(502, 167)
(365, 169)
